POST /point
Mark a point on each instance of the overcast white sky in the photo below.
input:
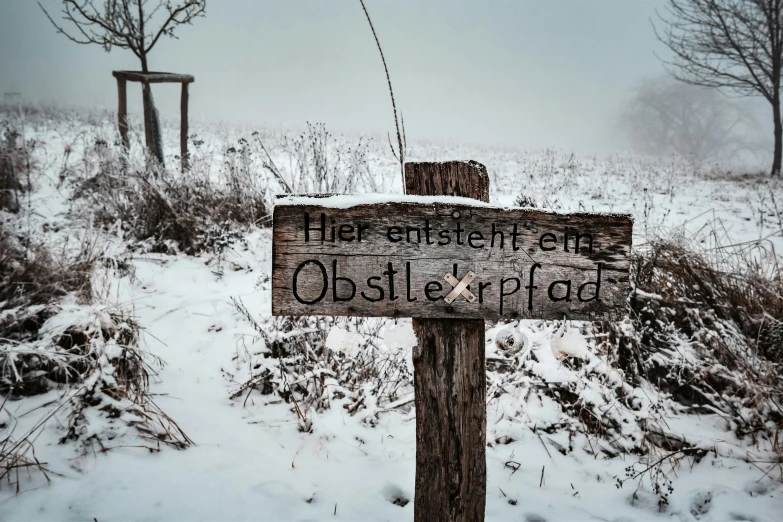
(510, 72)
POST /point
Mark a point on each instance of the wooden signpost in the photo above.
(449, 263)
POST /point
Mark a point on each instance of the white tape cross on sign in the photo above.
(460, 287)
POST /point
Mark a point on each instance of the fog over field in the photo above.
(503, 73)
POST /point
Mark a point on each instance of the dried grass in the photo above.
(708, 336)
(97, 358)
(99, 363)
(170, 211)
(33, 278)
(17, 454)
(289, 358)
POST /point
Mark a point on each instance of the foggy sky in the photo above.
(527, 73)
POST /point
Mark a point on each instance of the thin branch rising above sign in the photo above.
(336, 256)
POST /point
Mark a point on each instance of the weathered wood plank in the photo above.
(153, 77)
(390, 259)
(148, 108)
(122, 113)
(183, 128)
(437, 179)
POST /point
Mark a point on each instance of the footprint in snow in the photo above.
(395, 495)
(701, 503)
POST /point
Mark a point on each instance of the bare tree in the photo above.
(668, 117)
(126, 24)
(731, 44)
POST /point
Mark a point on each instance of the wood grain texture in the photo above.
(122, 112)
(418, 268)
(451, 420)
(438, 179)
(146, 102)
(450, 383)
(183, 128)
(153, 77)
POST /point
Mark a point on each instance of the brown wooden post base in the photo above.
(450, 381)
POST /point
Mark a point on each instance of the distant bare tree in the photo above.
(731, 44)
(126, 24)
(664, 117)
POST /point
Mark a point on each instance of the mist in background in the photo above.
(518, 73)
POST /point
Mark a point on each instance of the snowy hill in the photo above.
(159, 387)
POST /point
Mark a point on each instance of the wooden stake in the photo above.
(147, 104)
(183, 127)
(450, 380)
(122, 112)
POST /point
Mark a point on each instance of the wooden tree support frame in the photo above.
(147, 78)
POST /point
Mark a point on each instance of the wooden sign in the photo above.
(446, 257)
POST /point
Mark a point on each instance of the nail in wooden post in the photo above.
(450, 380)
(183, 127)
(122, 112)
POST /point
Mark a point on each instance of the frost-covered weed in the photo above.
(34, 276)
(289, 358)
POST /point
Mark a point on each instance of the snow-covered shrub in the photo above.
(169, 210)
(113, 373)
(556, 376)
(708, 338)
(291, 358)
(33, 278)
(92, 356)
(59, 334)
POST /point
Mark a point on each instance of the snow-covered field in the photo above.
(252, 461)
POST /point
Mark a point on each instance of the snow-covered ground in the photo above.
(251, 461)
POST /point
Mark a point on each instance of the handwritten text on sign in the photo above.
(446, 258)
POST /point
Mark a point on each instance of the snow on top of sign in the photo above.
(353, 200)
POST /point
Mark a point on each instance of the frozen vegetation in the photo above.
(143, 377)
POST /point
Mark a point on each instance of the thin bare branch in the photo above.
(728, 44)
(124, 23)
(400, 144)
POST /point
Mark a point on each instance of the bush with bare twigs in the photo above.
(708, 336)
(33, 278)
(289, 358)
(170, 211)
(320, 164)
(56, 335)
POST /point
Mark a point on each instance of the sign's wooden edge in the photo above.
(383, 200)
(587, 318)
